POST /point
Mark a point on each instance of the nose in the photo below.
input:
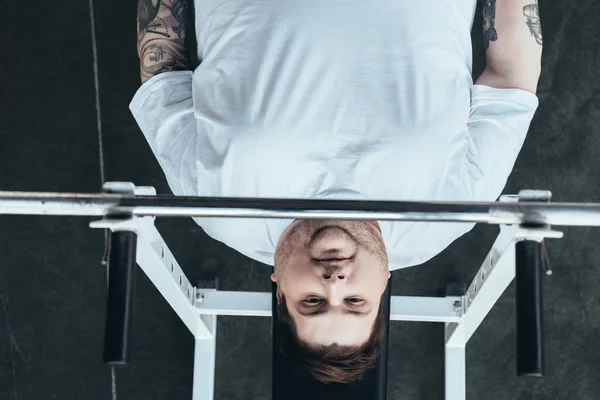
(333, 284)
(334, 276)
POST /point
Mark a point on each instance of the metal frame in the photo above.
(198, 307)
(144, 205)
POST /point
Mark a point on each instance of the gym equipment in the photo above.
(129, 212)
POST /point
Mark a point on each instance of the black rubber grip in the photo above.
(121, 281)
(530, 329)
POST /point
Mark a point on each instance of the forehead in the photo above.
(330, 328)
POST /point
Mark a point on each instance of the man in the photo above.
(344, 99)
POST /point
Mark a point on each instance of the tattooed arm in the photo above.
(161, 37)
(512, 37)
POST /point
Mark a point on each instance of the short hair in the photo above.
(332, 363)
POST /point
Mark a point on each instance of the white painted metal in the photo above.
(403, 308)
(424, 309)
(250, 304)
(204, 361)
(455, 373)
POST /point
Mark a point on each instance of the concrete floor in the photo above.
(53, 287)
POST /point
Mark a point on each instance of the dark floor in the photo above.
(52, 285)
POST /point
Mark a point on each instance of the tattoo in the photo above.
(532, 13)
(489, 15)
(173, 65)
(154, 52)
(179, 11)
(147, 11)
(161, 37)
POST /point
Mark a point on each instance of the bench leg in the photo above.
(204, 361)
(455, 373)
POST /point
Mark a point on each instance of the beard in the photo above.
(301, 235)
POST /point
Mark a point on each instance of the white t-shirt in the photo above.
(334, 99)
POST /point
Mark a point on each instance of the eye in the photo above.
(313, 301)
(355, 300)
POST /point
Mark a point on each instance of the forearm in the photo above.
(513, 39)
(161, 26)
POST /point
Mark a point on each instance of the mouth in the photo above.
(333, 259)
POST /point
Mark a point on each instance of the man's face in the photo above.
(332, 301)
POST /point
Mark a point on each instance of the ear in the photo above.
(389, 275)
(275, 278)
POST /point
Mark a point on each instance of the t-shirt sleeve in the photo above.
(164, 111)
(497, 127)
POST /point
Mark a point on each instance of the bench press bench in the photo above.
(129, 212)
